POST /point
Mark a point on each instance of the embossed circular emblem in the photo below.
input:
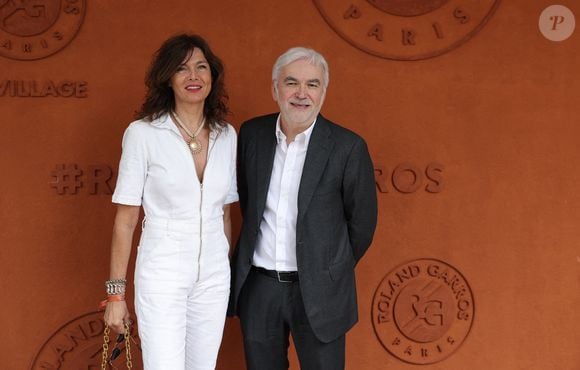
(78, 345)
(35, 29)
(422, 311)
(406, 29)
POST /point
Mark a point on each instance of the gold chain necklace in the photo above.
(194, 145)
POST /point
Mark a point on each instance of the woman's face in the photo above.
(191, 83)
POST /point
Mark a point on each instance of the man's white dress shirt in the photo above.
(276, 243)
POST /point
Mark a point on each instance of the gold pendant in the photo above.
(195, 146)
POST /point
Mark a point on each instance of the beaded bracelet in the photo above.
(115, 286)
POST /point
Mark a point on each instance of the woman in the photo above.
(178, 162)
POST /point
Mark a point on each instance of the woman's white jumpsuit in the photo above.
(182, 275)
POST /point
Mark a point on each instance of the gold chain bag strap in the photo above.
(106, 347)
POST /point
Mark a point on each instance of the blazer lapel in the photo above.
(319, 149)
(265, 150)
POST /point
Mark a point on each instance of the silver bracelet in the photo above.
(115, 286)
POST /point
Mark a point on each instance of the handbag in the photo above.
(116, 350)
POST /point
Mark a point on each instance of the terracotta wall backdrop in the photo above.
(471, 115)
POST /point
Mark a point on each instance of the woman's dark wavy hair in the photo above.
(160, 98)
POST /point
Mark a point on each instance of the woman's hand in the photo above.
(116, 315)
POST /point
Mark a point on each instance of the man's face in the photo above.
(299, 93)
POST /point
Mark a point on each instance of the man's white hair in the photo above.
(300, 53)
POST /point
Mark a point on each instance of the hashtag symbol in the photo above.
(65, 178)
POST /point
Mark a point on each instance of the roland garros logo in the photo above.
(78, 345)
(422, 311)
(406, 29)
(35, 29)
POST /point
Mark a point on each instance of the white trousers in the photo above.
(182, 284)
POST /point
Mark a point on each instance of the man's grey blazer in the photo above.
(337, 216)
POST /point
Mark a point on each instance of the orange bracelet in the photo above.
(111, 298)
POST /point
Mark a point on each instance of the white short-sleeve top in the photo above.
(157, 171)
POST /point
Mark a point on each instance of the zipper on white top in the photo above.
(210, 145)
(200, 225)
(209, 151)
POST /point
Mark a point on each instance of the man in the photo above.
(309, 207)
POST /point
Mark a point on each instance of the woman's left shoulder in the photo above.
(227, 130)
